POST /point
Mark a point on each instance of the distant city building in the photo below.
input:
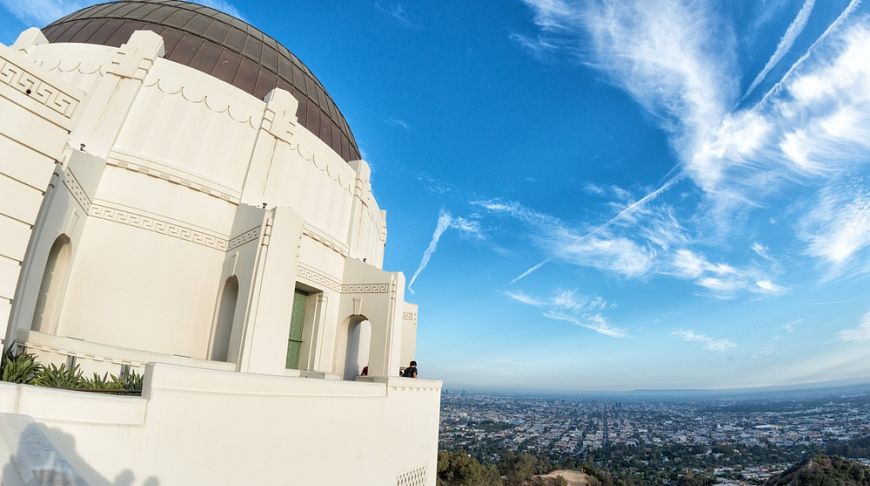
(179, 195)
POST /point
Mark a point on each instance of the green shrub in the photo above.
(60, 377)
(20, 368)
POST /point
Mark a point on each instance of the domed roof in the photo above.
(219, 45)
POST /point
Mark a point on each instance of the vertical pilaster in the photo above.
(110, 101)
(278, 126)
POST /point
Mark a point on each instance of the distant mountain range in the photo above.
(794, 391)
(823, 471)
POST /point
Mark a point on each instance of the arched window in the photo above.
(223, 330)
(359, 337)
(53, 287)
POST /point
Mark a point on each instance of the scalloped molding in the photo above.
(66, 66)
(213, 102)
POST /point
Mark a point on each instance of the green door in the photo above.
(297, 320)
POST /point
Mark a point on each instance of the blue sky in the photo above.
(607, 195)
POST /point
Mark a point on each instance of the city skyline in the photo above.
(608, 195)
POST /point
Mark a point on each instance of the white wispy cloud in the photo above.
(568, 306)
(534, 268)
(466, 227)
(707, 342)
(649, 241)
(396, 11)
(785, 43)
(833, 27)
(433, 185)
(837, 229)
(791, 326)
(721, 280)
(679, 71)
(760, 250)
(223, 6)
(860, 333)
(594, 248)
(806, 134)
(398, 122)
(41, 12)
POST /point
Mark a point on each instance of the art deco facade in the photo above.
(179, 195)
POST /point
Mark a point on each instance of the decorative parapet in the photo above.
(399, 384)
(29, 38)
(279, 119)
(33, 341)
(135, 58)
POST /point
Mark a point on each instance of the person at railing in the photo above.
(410, 371)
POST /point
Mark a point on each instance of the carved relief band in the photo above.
(150, 223)
(246, 237)
(72, 184)
(37, 89)
(317, 278)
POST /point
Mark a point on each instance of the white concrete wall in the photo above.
(196, 426)
(37, 112)
(409, 333)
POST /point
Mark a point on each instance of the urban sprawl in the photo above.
(742, 439)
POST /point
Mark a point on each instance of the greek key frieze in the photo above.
(36, 88)
(155, 225)
(246, 237)
(317, 278)
(366, 288)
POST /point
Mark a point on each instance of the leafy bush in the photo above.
(20, 368)
(60, 377)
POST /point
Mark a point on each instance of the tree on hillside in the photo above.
(460, 469)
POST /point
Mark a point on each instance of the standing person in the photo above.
(410, 371)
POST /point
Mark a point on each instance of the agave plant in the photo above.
(60, 377)
(20, 368)
(105, 382)
(131, 382)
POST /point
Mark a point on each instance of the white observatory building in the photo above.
(180, 196)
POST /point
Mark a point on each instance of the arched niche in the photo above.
(53, 287)
(354, 345)
(223, 329)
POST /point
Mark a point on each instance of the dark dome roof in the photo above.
(219, 45)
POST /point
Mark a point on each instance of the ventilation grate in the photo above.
(414, 477)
